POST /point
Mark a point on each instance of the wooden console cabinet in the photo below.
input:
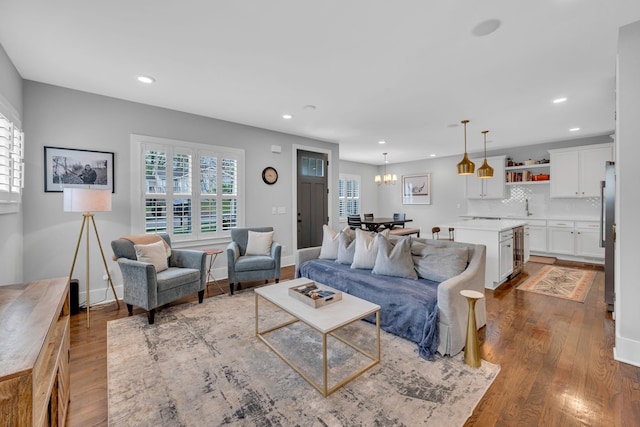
(34, 353)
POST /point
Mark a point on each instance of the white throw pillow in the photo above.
(329, 249)
(259, 243)
(154, 253)
(366, 250)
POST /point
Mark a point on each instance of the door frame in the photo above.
(294, 188)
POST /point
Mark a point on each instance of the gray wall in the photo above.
(11, 224)
(627, 200)
(60, 117)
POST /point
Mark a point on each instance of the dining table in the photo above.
(379, 224)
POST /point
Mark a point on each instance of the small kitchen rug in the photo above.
(561, 282)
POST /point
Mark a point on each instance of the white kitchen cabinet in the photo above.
(577, 171)
(537, 235)
(538, 238)
(506, 254)
(487, 188)
(497, 237)
(560, 237)
(587, 239)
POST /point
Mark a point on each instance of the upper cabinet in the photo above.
(487, 188)
(577, 171)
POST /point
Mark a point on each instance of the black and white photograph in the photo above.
(416, 189)
(76, 168)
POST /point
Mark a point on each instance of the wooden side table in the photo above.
(471, 346)
(213, 254)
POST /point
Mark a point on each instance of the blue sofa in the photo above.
(431, 314)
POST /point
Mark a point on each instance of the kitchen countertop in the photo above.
(533, 217)
(486, 224)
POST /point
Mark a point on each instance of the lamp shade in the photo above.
(86, 200)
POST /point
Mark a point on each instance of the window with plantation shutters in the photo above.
(11, 163)
(191, 191)
(348, 195)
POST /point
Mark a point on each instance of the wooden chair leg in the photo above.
(277, 280)
(200, 296)
(152, 316)
(130, 309)
(231, 288)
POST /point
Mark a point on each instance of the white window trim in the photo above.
(138, 186)
(347, 176)
(11, 202)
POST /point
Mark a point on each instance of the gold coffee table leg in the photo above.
(472, 347)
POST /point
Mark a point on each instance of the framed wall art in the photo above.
(416, 189)
(76, 168)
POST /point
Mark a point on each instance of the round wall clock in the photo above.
(269, 175)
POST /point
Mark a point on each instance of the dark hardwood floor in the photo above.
(556, 359)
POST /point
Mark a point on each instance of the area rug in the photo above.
(561, 282)
(202, 365)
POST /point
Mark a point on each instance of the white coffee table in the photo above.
(326, 320)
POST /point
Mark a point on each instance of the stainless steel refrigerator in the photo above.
(608, 231)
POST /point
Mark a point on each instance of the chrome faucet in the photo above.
(526, 207)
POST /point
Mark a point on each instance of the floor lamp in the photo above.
(88, 201)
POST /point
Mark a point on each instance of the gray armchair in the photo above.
(242, 267)
(148, 289)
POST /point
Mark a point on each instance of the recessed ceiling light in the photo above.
(287, 116)
(309, 107)
(146, 79)
(574, 129)
(559, 100)
(486, 27)
(382, 141)
(432, 155)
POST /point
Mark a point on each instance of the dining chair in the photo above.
(435, 234)
(368, 217)
(354, 221)
(399, 217)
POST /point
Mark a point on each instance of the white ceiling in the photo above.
(404, 71)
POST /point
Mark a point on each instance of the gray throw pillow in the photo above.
(439, 263)
(394, 258)
(346, 248)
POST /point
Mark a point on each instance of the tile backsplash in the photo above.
(540, 204)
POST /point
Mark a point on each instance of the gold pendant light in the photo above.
(485, 171)
(466, 166)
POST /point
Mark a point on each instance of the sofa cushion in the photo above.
(154, 253)
(175, 277)
(259, 243)
(254, 262)
(439, 263)
(346, 248)
(394, 258)
(366, 250)
(329, 249)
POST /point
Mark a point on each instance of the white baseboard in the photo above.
(627, 351)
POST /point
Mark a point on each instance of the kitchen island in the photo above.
(505, 244)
